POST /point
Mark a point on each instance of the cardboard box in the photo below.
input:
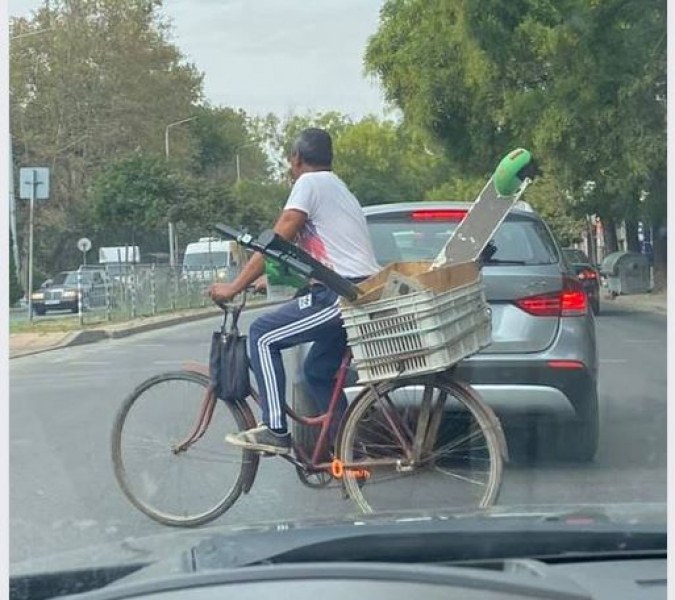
(439, 280)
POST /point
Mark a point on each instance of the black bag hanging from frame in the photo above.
(228, 362)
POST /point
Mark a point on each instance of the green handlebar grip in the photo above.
(506, 177)
(279, 274)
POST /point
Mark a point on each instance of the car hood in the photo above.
(238, 545)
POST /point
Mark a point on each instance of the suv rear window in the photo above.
(575, 256)
(398, 237)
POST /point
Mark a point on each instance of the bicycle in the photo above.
(399, 442)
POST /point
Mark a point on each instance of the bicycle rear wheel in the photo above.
(180, 487)
(421, 444)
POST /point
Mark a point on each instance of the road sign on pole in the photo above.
(34, 185)
(34, 180)
(84, 245)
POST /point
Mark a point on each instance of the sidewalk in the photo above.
(656, 302)
(25, 344)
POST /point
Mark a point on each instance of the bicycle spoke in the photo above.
(459, 442)
(396, 424)
(455, 460)
(162, 448)
(195, 484)
(458, 476)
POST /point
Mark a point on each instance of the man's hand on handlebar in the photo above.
(260, 285)
(222, 292)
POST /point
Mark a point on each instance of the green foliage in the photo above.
(582, 84)
(15, 291)
(136, 189)
(101, 80)
(554, 206)
(460, 189)
(386, 162)
(381, 161)
(279, 134)
(218, 136)
(257, 204)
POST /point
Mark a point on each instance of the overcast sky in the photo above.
(276, 56)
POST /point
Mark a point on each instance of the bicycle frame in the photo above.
(204, 417)
(324, 420)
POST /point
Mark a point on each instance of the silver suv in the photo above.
(540, 372)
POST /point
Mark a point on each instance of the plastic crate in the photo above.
(422, 332)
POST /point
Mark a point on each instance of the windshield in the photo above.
(197, 260)
(576, 256)
(70, 278)
(513, 385)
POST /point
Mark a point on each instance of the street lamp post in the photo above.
(172, 237)
(166, 133)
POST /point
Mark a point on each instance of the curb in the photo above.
(90, 336)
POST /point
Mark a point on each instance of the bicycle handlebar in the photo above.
(272, 245)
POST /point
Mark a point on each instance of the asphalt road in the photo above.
(63, 496)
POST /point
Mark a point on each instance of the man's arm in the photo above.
(288, 225)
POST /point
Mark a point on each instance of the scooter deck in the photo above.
(478, 226)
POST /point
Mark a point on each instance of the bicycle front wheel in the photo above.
(421, 444)
(164, 468)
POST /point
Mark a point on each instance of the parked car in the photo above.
(541, 369)
(587, 273)
(61, 292)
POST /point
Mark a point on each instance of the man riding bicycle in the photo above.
(326, 220)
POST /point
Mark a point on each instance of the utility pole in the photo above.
(31, 179)
(172, 235)
(12, 214)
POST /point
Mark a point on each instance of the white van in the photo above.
(118, 260)
(210, 259)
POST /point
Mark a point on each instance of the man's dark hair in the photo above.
(315, 147)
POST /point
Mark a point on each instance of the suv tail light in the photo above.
(587, 274)
(571, 301)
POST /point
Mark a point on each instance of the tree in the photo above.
(278, 134)
(221, 137)
(99, 82)
(381, 161)
(582, 84)
(136, 189)
(554, 205)
(15, 291)
(433, 68)
(257, 204)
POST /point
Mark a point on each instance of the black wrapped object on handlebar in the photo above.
(272, 245)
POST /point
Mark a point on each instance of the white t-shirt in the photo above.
(335, 232)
